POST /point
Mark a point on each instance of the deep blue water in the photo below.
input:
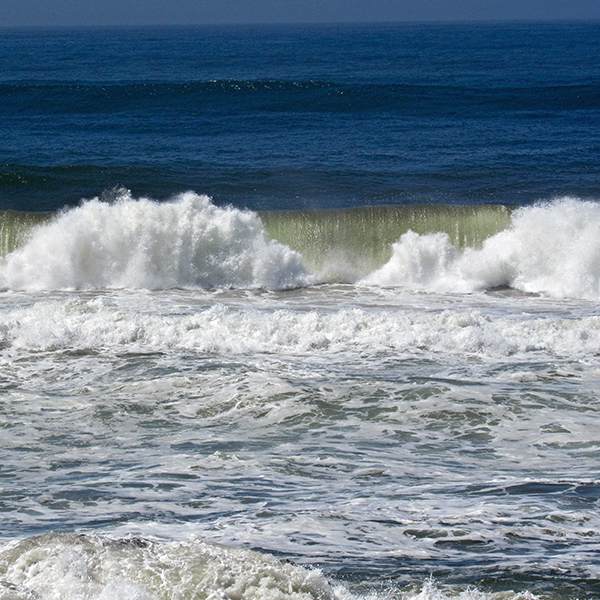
(301, 117)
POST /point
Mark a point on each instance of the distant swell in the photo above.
(130, 243)
(292, 96)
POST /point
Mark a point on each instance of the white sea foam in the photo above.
(78, 567)
(89, 567)
(101, 323)
(129, 243)
(551, 248)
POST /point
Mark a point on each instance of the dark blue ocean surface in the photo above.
(273, 117)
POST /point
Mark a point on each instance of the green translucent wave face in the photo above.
(360, 240)
(15, 228)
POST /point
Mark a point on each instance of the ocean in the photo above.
(300, 312)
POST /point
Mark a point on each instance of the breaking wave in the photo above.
(551, 248)
(129, 243)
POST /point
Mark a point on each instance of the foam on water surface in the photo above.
(82, 567)
(91, 567)
(337, 431)
(109, 324)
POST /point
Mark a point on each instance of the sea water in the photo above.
(300, 313)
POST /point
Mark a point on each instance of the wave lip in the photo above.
(142, 244)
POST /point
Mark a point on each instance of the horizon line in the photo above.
(415, 22)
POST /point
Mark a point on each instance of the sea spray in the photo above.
(128, 243)
(550, 248)
(337, 245)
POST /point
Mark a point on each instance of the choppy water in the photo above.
(366, 368)
(380, 429)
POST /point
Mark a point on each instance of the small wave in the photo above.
(129, 243)
(551, 248)
(291, 96)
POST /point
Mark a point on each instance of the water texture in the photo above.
(300, 313)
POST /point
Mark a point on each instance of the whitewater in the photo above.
(200, 401)
(551, 249)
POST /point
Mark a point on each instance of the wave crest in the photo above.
(129, 243)
(550, 248)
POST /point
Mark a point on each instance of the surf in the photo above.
(143, 244)
(101, 567)
(189, 241)
(550, 248)
(90, 566)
